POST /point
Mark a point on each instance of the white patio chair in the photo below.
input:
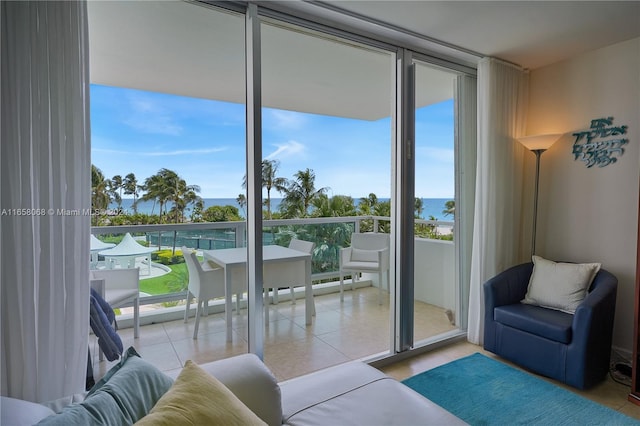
(121, 287)
(303, 246)
(368, 253)
(205, 283)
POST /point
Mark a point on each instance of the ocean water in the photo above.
(432, 206)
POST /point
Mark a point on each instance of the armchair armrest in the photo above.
(506, 288)
(345, 255)
(597, 307)
(592, 330)
(383, 259)
(252, 382)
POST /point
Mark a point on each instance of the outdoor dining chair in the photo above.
(303, 246)
(205, 283)
(121, 287)
(368, 253)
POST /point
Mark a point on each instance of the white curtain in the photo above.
(502, 103)
(45, 165)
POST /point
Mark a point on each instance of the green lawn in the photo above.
(174, 281)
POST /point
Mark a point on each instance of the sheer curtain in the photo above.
(45, 164)
(502, 102)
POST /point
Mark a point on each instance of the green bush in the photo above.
(167, 257)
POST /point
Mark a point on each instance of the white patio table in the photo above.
(281, 265)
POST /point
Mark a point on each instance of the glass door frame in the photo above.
(403, 179)
(402, 240)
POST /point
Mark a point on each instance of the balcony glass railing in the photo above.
(168, 280)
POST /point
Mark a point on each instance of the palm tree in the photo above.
(116, 189)
(366, 207)
(198, 208)
(166, 186)
(336, 206)
(449, 208)
(130, 185)
(269, 181)
(100, 197)
(152, 187)
(367, 204)
(300, 193)
(176, 190)
(168, 182)
(183, 196)
(418, 207)
(159, 188)
(242, 202)
(383, 209)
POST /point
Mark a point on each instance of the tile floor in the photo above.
(340, 332)
(353, 329)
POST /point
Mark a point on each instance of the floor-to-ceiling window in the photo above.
(327, 164)
(168, 146)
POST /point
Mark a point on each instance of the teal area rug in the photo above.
(483, 391)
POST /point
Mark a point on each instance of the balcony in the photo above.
(355, 329)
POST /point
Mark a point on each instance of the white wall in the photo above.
(590, 214)
(435, 272)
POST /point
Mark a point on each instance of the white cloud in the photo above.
(150, 117)
(141, 104)
(287, 119)
(288, 149)
(155, 125)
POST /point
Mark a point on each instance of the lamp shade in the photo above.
(543, 142)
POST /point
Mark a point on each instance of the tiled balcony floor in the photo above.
(356, 328)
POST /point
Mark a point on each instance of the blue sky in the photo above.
(203, 141)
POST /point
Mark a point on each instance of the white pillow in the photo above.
(560, 286)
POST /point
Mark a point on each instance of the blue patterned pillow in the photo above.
(123, 396)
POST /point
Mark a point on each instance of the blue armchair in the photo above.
(572, 348)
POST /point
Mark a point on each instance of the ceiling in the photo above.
(186, 49)
(531, 34)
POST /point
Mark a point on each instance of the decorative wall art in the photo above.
(601, 144)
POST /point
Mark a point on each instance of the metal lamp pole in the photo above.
(538, 153)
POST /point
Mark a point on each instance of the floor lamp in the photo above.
(538, 144)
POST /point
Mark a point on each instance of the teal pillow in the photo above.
(123, 396)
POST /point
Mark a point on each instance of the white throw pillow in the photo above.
(560, 286)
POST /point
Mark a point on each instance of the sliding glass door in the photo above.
(434, 243)
(442, 211)
(326, 165)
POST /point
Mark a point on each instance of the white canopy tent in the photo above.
(97, 246)
(126, 252)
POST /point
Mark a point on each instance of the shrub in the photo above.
(167, 257)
